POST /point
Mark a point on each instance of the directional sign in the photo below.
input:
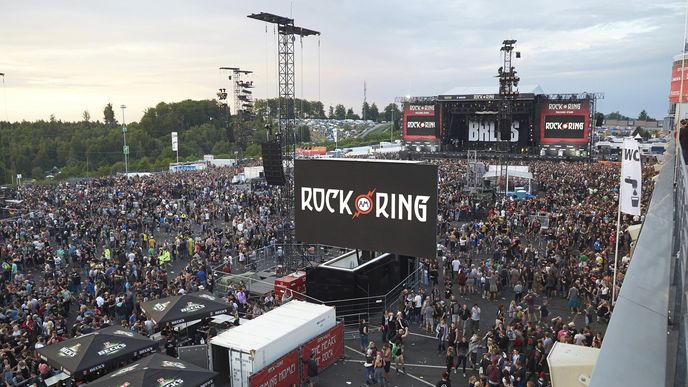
(125, 149)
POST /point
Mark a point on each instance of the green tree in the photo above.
(643, 116)
(392, 113)
(351, 115)
(37, 173)
(340, 112)
(365, 110)
(642, 132)
(617, 116)
(330, 113)
(86, 116)
(374, 113)
(318, 109)
(109, 115)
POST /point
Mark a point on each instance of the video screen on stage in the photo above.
(380, 206)
(420, 121)
(471, 131)
(564, 122)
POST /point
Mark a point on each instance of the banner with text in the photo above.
(326, 348)
(282, 373)
(420, 121)
(384, 206)
(678, 79)
(481, 129)
(175, 142)
(564, 122)
(631, 178)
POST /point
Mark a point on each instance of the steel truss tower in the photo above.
(286, 134)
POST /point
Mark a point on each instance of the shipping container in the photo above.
(242, 351)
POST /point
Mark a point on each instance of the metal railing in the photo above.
(679, 295)
(636, 350)
(371, 308)
(268, 258)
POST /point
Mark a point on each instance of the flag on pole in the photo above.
(631, 178)
(175, 142)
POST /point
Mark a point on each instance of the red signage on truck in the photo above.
(326, 348)
(283, 372)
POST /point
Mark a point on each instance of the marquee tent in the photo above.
(97, 350)
(184, 308)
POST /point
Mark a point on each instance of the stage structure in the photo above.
(285, 136)
(565, 123)
(242, 98)
(515, 121)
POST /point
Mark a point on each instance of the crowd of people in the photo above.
(85, 254)
(518, 257)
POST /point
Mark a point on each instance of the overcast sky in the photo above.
(64, 57)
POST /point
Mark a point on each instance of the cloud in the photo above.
(140, 53)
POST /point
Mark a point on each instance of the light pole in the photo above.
(125, 148)
(391, 128)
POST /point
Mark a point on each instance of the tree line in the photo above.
(93, 148)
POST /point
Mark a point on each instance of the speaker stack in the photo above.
(272, 163)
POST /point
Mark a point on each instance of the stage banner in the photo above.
(678, 77)
(282, 373)
(420, 121)
(383, 206)
(564, 122)
(631, 178)
(326, 348)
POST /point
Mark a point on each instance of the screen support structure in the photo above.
(593, 97)
(287, 33)
(508, 89)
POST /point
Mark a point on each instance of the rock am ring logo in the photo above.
(363, 204)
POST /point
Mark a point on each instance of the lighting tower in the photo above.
(286, 117)
(242, 97)
(508, 92)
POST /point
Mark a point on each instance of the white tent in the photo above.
(512, 171)
(634, 231)
(571, 365)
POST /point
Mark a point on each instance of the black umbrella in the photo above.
(97, 350)
(157, 371)
(184, 308)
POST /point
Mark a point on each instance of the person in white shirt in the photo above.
(475, 318)
(456, 265)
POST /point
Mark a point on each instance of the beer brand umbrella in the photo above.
(184, 308)
(97, 350)
(157, 370)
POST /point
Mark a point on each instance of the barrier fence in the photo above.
(646, 336)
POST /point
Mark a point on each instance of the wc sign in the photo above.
(630, 191)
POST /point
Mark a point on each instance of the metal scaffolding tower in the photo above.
(286, 135)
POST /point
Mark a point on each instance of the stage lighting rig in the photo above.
(287, 33)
